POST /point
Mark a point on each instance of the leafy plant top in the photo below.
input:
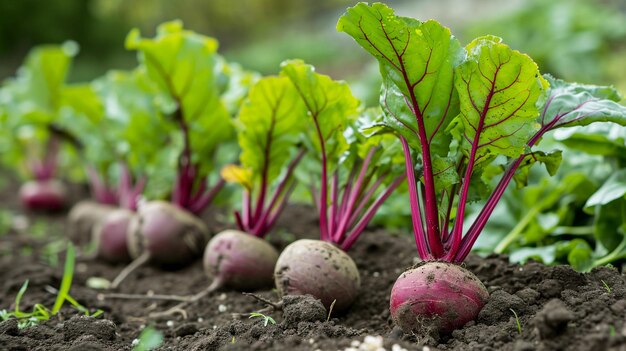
(465, 115)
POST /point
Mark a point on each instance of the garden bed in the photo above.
(558, 308)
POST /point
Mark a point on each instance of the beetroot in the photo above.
(170, 234)
(110, 236)
(239, 260)
(43, 195)
(164, 234)
(320, 269)
(444, 295)
(83, 217)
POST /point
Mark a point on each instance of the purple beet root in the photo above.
(82, 219)
(169, 234)
(163, 234)
(110, 236)
(43, 195)
(320, 269)
(436, 296)
(239, 260)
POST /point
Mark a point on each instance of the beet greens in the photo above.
(33, 142)
(345, 207)
(269, 126)
(463, 112)
(182, 64)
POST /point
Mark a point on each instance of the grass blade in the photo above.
(66, 283)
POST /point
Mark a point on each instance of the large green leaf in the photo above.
(330, 108)
(182, 64)
(417, 61)
(606, 139)
(573, 104)
(499, 89)
(609, 218)
(269, 125)
(614, 188)
(132, 117)
(41, 80)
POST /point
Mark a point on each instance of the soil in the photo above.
(557, 308)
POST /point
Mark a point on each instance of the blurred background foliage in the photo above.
(580, 40)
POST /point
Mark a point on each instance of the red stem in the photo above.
(416, 213)
(274, 216)
(476, 228)
(369, 214)
(457, 228)
(346, 193)
(259, 225)
(354, 195)
(323, 198)
(365, 199)
(333, 206)
(245, 208)
(200, 205)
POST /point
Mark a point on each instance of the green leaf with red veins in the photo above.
(551, 160)
(330, 106)
(573, 104)
(417, 61)
(269, 126)
(182, 64)
(499, 89)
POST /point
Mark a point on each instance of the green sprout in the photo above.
(149, 339)
(611, 330)
(42, 313)
(266, 319)
(606, 286)
(519, 325)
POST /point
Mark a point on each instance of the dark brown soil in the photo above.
(558, 308)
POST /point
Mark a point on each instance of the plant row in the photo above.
(158, 143)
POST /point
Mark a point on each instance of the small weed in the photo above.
(149, 339)
(519, 325)
(41, 312)
(266, 319)
(6, 222)
(606, 286)
(611, 330)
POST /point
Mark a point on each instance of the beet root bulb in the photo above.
(240, 261)
(436, 297)
(171, 235)
(43, 195)
(320, 269)
(110, 236)
(83, 218)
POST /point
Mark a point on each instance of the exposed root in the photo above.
(138, 262)
(271, 306)
(157, 297)
(180, 308)
(276, 305)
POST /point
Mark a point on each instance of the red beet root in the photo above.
(82, 219)
(164, 234)
(110, 236)
(170, 234)
(239, 260)
(43, 195)
(437, 296)
(320, 269)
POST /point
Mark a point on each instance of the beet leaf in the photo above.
(347, 201)
(182, 65)
(269, 125)
(32, 103)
